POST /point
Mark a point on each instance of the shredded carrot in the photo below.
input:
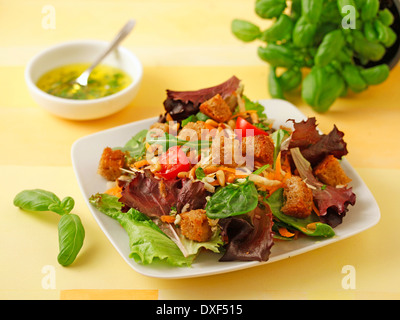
(314, 207)
(286, 166)
(285, 232)
(215, 168)
(242, 114)
(271, 175)
(141, 163)
(278, 167)
(312, 226)
(230, 177)
(167, 219)
(209, 126)
(271, 189)
(240, 176)
(115, 191)
(227, 169)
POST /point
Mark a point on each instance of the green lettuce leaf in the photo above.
(309, 226)
(136, 145)
(254, 105)
(146, 241)
(278, 137)
(193, 247)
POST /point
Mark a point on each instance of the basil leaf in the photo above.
(67, 204)
(36, 200)
(70, 236)
(232, 200)
(309, 226)
(245, 30)
(56, 207)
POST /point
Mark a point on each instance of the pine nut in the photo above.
(191, 173)
(210, 169)
(221, 178)
(263, 181)
(182, 174)
(212, 122)
(232, 124)
(254, 117)
(155, 167)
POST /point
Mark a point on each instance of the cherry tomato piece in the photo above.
(172, 162)
(246, 126)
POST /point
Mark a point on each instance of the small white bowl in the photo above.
(83, 51)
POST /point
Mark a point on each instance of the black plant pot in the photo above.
(392, 56)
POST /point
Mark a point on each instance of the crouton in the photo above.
(162, 126)
(110, 163)
(192, 131)
(330, 172)
(194, 225)
(298, 198)
(217, 109)
(263, 148)
(226, 151)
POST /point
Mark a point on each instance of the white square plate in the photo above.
(86, 153)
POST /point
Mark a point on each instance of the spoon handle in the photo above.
(127, 28)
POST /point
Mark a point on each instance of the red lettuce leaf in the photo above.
(225, 89)
(182, 104)
(155, 197)
(191, 194)
(179, 110)
(305, 133)
(331, 144)
(333, 203)
(248, 241)
(315, 146)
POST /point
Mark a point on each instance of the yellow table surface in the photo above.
(184, 45)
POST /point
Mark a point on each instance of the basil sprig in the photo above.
(42, 200)
(71, 233)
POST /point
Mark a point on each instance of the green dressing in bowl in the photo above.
(103, 81)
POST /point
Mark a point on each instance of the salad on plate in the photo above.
(213, 173)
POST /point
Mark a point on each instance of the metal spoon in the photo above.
(82, 80)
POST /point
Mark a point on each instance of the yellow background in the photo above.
(184, 45)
